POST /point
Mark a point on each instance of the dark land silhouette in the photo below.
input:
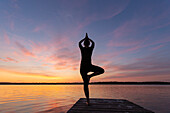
(86, 65)
(92, 83)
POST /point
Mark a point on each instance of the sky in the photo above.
(39, 39)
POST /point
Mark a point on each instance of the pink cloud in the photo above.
(24, 50)
(106, 13)
(8, 59)
(157, 47)
(128, 47)
(142, 22)
(11, 59)
(133, 75)
(116, 43)
(50, 46)
(164, 40)
(130, 27)
(3, 60)
(64, 59)
(39, 47)
(57, 53)
(134, 45)
(12, 25)
(152, 65)
(15, 4)
(161, 26)
(122, 30)
(6, 38)
(39, 28)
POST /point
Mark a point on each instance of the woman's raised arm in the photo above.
(80, 46)
(92, 43)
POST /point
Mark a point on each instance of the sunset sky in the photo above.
(39, 39)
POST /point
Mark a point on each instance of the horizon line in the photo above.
(111, 82)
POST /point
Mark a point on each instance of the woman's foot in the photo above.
(88, 103)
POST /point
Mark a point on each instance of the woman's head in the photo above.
(86, 42)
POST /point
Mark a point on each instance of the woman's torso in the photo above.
(86, 54)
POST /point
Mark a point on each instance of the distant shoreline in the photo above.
(92, 83)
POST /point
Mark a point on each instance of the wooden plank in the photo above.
(106, 106)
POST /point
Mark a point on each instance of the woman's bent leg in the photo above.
(97, 70)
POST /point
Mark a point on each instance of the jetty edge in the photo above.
(99, 105)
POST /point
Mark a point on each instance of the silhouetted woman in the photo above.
(86, 65)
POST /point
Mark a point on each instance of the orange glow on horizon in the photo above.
(13, 76)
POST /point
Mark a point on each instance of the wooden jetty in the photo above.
(106, 106)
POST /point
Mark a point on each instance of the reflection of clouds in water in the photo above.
(35, 98)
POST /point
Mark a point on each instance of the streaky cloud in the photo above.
(24, 50)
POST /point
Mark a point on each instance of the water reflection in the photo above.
(35, 98)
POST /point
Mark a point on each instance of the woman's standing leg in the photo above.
(86, 86)
(86, 91)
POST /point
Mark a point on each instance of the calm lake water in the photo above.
(37, 98)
